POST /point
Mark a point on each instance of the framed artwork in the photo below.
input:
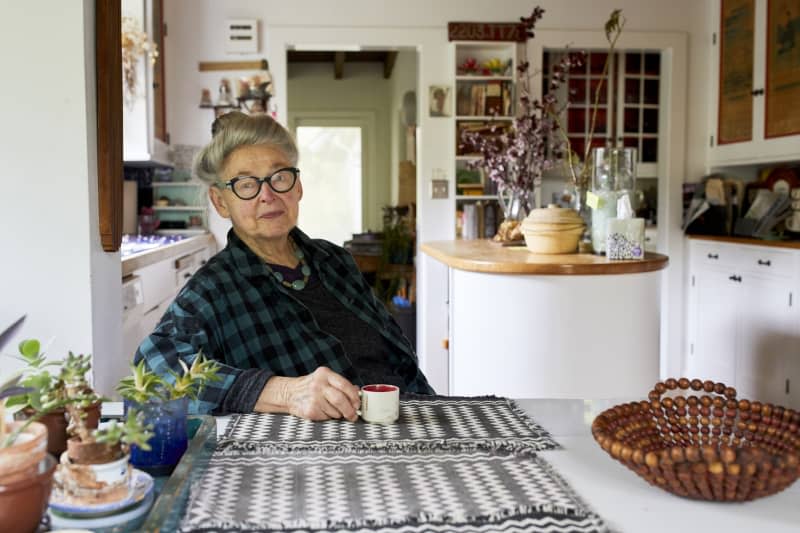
(439, 98)
(735, 113)
(782, 91)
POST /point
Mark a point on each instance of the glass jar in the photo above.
(604, 189)
(613, 176)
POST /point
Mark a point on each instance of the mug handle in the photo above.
(361, 395)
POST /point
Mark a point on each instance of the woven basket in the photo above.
(706, 446)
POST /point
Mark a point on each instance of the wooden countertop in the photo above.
(137, 261)
(482, 255)
(745, 240)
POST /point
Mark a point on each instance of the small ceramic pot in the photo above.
(170, 437)
(94, 483)
(22, 502)
(56, 424)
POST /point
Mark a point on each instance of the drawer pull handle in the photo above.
(735, 278)
(713, 256)
(764, 263)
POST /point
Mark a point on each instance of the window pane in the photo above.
(631, 91)
(631, 120)
(633, 63)
(596, 62)
(650, 121)
(577, 90)
(576, 120)
(330, 171)
(649, 150)
(603, 91)
(652, 64)
(651, 91)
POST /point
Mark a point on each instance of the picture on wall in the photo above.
(440, 100)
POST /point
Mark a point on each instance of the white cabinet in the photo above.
(742, 142)
(157, 284)
(743, 319)
(142, 110)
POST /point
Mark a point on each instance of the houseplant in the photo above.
(165, 404)
(45, 397)
(94, 468)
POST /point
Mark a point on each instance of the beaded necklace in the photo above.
(298, 284)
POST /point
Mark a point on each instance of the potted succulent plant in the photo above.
(26, 471)
(46, 393)
(94, 468)
(165, 403)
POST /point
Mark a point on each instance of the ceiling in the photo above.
(339, 59)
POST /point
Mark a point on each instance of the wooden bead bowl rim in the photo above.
(708, 446)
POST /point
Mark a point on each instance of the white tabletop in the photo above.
(626, 502)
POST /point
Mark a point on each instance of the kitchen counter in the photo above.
(150, 256)
(483, 255)
(526, 325)
(795, 245)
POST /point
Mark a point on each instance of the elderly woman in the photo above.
(290, 319)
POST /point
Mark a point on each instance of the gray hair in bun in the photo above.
(235, 129)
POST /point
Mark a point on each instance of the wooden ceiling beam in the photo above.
(338, 65)
(388, 64)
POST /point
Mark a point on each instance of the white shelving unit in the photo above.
(190, 193)
(483, 96)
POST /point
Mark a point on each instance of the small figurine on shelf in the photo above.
(224, 92)
(205, 98)
(469, 66)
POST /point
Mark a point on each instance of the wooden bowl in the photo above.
(705, 446)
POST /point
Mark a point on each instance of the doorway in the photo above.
(332, 159)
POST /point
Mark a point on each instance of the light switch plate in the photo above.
(438, 189)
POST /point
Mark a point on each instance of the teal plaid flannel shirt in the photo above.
(235, 311)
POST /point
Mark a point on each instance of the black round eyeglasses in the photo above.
(248, 187)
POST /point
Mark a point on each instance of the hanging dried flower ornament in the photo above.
(135, 43)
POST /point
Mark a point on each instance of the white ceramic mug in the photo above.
(380, 404)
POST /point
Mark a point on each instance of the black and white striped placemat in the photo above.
(426, 423)
(458, 491)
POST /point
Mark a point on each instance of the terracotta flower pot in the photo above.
(20, 460)
(22, 502)
(56, 424)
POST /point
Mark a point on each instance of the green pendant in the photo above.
(298, 284)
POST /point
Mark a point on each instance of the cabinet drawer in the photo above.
(714, 255)
(767, 261)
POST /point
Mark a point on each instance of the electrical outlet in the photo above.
(438, 189)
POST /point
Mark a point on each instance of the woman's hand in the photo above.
(321, 395)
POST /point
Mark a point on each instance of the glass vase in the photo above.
(515, 203)
(579, 204)
(613, 175)
(170, 437)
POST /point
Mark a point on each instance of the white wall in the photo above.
(312, 88)
(53, 267)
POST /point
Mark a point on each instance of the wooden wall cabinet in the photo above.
(753, 113)
(744, 325)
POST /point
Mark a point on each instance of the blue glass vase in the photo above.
(170, 438)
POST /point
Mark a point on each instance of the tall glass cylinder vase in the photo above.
(613, 175)
(516, 204)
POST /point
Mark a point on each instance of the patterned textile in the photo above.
(410, 492)
(237, 313)
(425, 423)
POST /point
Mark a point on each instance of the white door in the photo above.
(766, 345)
(714, 317)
